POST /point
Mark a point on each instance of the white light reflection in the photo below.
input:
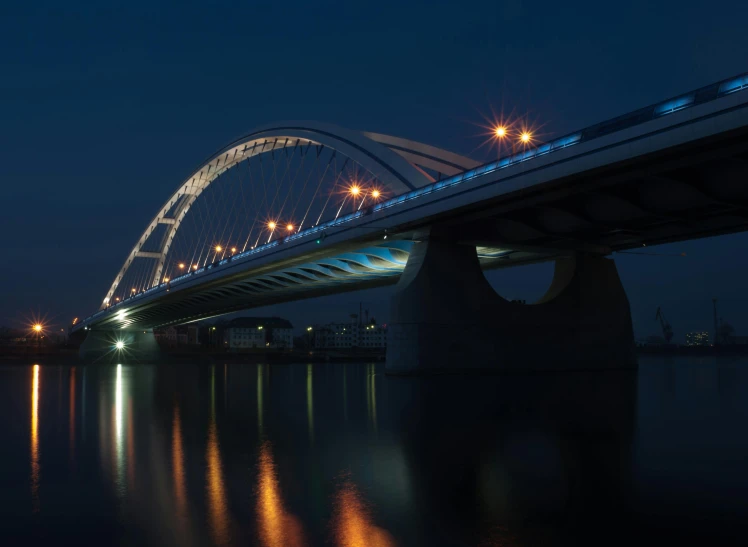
(119, 441)
(310, 403)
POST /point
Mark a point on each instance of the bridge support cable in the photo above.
(209, 205)
(222, 186)
(216, 194)
(253, 190)
(240, 219)
(226, 246)
(292, 183)
(291, 191)
(334, 188)
(316, 191)
(198, 222)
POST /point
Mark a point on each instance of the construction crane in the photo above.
(667, 330)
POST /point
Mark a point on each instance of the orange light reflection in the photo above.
(35, 440)
(218, 510)
(177, 465)
(352, 522)
(276, 527)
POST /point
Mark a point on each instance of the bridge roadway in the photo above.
(672, 171)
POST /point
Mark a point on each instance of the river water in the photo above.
(343, 455)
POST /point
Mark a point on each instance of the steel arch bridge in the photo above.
(300, 209)
(349, 170)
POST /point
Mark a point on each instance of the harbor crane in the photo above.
(667, 330)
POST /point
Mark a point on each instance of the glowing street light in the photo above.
(500, 132)
(289, 227)
(233, 250)
(525, 137)
(354, 190)
(133, 290)
(117, 299)
(181, 266)
(120, 344)
(37, 327)
(166, 279)
(375, 194)
(219, 248)
(271, 225)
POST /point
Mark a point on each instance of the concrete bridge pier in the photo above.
(447, 318)
(100, 346)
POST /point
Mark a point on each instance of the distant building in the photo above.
(350, 335)
(258, 332)
(14, 337)
(697, 339)
(181, 335)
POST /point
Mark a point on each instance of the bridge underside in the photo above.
(367, 267)
(686, 192)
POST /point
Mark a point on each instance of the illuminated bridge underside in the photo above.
(367, 267)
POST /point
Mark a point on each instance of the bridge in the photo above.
(298, 209)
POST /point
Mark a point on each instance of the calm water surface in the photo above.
(342, 455)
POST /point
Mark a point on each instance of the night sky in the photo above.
(105, 110)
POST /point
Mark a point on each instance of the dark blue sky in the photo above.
(104, 110)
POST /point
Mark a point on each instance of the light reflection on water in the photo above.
(310, 402)
(254, 455)
(71, 416)
(218, 510)
(118, 437)
(353, 523)
(35, 439)
(178, 468)
(276, 527)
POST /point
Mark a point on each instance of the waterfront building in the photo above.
(697, 339)
(350, 335)
(180, 335)
(258, 332)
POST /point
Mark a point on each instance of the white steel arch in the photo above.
(394, 161)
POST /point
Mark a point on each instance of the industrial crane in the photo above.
(667, 330)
